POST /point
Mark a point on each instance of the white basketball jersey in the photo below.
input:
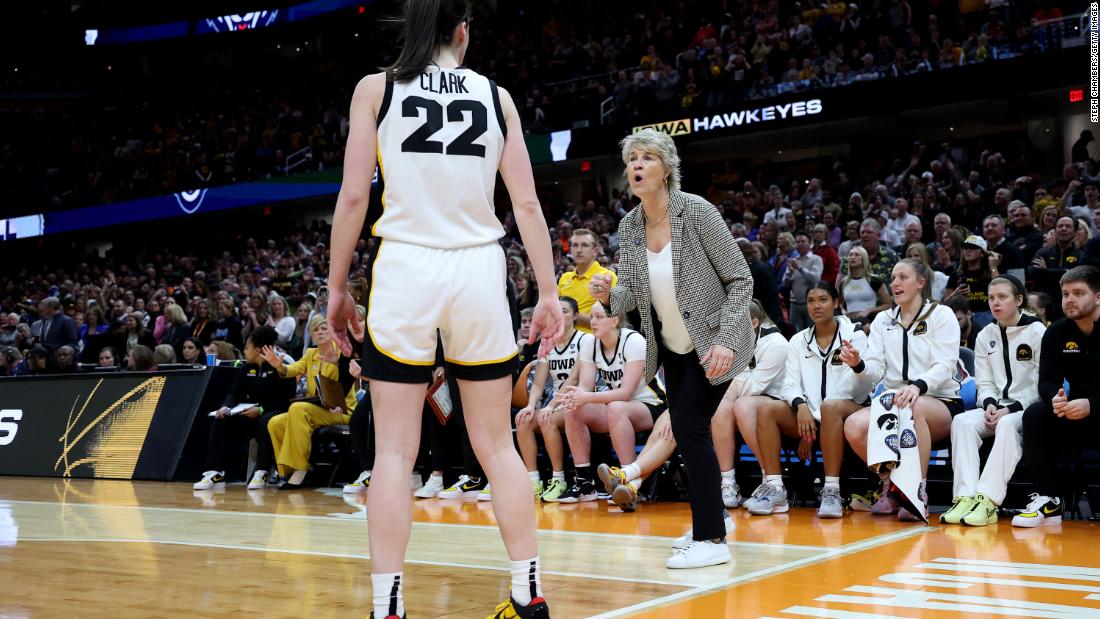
(560, 362)
(631, 347)
(440, 139)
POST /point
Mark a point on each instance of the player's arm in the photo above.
(360, 160)
(515, 169)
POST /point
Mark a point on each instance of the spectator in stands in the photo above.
(764, 287)
(139, 359)
(1062, 420)
(291, 431)
(136, 334)
(228, 327)
(1052, 262)
(7, 330)
(851, 238)
(192, 351)
(12, 362)
(900, 218)
(202, 326)
(1007, 358)
(971, 281)
(893, 356)
(1012, 260)
(94, 324)
(862, 294)
(297, 341)
(176, 329)
(919, 252)
(54, 329)
(66, 360)
(880, 259)
(222, 350)
(41, 361)
(260, 385)
(279, 318)
(825, 250)
(109, 358)
(1083, 233)
(817, 389)
(584, 247)
(803, 270)
(1023, 231)
(163, 354)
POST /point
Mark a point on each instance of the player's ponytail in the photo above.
(426, 25)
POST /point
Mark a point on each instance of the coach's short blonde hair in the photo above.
(656, 143)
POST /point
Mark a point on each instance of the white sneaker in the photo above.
(486, 494)
(699, 554)
(685, 540)
(360, 482)
(210, 479)
(258, 481)
(768, 499)
(731, 495)
(431, 489)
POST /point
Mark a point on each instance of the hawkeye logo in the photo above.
(8, 425)
(1072, 347)
(729, 120)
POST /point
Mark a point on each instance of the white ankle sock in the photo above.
(388, 598)
(534, 475)
(775, 480)
(526, 580)
(559, 475)
(832, 481)
(728, 478)
(632, 471)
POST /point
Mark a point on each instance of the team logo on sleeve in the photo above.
(922, 328)
(1024, 353)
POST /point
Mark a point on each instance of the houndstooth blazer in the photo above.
(713, 283)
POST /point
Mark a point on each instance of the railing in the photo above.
(607, 108)
(297, 159)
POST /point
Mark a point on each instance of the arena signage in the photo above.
(740, 118)
(114, 426)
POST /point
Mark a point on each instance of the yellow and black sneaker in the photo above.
(626, 497)
(611, 476)
(1041, 510)
(509, 609)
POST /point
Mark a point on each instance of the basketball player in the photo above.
(549, 420)
(438, 133)
(618, 356)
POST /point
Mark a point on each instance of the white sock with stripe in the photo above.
(388, 599)
(526, 580)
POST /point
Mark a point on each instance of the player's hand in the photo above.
(849, 354)
(666, 433)
(805, 449)
(354, 369)
(547, 324)
(807, 429)
(1077, 409)
(906, 396)
(341, 312)
(524, 415)
(546, 415)
(1059, 401)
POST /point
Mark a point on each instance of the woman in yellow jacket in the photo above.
(291, 432)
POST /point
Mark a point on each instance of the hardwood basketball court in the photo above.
(83, 548)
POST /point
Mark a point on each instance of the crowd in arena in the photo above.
(991, 242)
(560, 65)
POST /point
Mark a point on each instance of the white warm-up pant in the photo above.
(967, 432)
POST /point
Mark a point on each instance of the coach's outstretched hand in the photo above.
(341, 312)
(546, 324)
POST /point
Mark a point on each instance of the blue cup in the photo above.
(211, 360)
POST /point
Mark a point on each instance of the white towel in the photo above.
(892, 446)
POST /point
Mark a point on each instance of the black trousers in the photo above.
(361, 428)
(1046, 439)
(237, 430)
(692, 401)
